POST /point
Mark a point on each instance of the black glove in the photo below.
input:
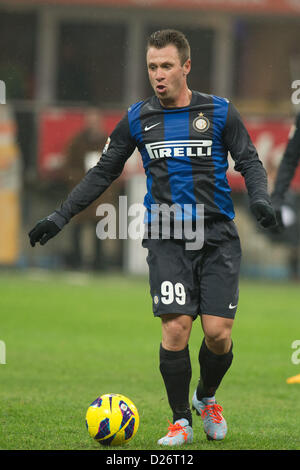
(264, 213)
(43, 231)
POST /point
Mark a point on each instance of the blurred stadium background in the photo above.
(61, 58)
(67, 336)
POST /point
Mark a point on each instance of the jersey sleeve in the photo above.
(245, 156)
(288, 165)
(119, 147)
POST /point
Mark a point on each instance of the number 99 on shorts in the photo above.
(172, 292)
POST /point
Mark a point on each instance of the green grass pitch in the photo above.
(70, 338)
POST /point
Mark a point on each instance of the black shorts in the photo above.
(195, 282)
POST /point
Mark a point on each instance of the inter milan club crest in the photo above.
(201, 123)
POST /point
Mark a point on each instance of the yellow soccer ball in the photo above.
(112, 419)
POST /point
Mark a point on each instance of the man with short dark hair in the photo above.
(183, 137)
(161, 39)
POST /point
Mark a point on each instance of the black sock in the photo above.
(212, 370)
(175, 368)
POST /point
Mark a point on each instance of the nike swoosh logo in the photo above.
(232, 306)
(147, 128)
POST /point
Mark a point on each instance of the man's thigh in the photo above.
(174, 286)
(219, 277)
(189, 282)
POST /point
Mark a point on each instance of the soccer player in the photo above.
(286, 170)
(183, 137)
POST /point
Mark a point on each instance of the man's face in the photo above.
(166, 74)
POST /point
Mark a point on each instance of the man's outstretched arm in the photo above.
(109, 167)
(250, 166)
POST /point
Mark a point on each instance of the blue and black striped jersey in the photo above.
(185, 157)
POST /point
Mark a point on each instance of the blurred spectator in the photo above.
(82, 153)
(287, 167)
(285, 200)
(289, 231)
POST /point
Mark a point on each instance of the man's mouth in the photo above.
(161, 88)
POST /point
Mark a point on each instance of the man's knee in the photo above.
(176, 331)
(217, 332)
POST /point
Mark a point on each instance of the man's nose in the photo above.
(159, 76)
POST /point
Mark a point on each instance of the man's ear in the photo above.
(187, 67)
